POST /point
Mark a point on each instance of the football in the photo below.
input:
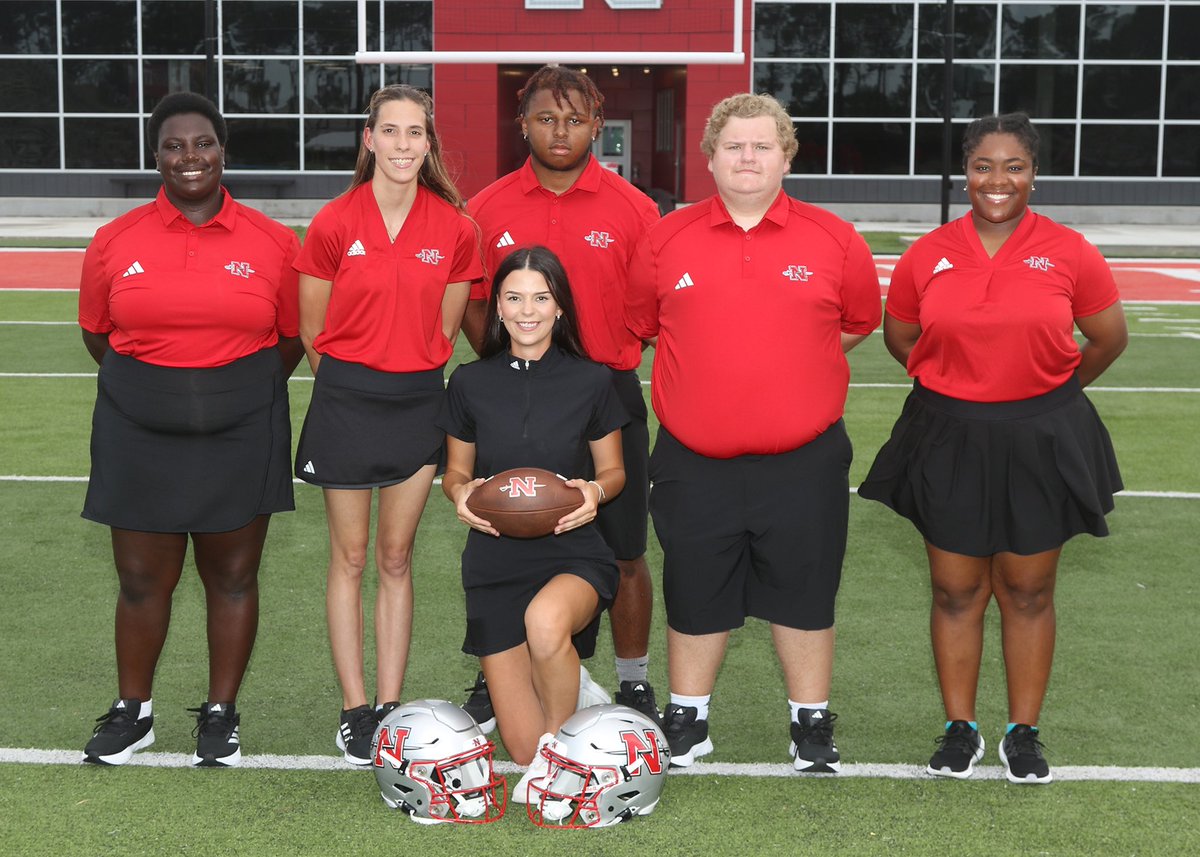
(525, 502)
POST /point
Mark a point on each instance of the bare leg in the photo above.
(693, 661)
(807, 661)
(562, 608)
(632, 609)
(519, 715)
(349, 516)
(961, 591)
(1024, 587)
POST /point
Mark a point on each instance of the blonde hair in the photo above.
(749, 106)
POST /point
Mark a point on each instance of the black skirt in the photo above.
(370, 429)
(979, 478)
(189, 450)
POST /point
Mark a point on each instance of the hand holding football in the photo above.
(525, 502)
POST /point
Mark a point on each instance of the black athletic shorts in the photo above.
(623, 520)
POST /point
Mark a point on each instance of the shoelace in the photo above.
(114, 721)
(480, 686)
(958, 740)
(818, 731)
(362, 723)
(1024, 742)
(674, 719)
(211, 724)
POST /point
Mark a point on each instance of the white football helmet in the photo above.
(606, 764)
(431, 761)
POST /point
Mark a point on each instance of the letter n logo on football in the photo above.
(641, 749)
(391, 746)
(522, 486)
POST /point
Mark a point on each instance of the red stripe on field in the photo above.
(40, 269)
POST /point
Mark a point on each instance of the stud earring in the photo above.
(1032, 188)
(557, 316)
(964, 187)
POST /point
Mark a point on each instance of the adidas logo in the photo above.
(506, 240)
(684, 281)
(356, 249)
(308, 468)
(135, 268)
(943, 265)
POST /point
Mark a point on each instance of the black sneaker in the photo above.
(383, 709)
(119, 733)
(686, 736)
(355, 731)
(639, 696)
(962, 747)
(1021, 753)
(812, 748)
(216, 734)
(479, 705)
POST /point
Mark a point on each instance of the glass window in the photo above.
(813, 154)
(408, 27)
(260, 27)
(1182, 43)
(28, 29)
(791, 30)
(420, 76)
(1181, 150)
(99, 86)
(927, 148)
(29, 144)
(1118, 150)
(172, 27)
(1123, 32)
(802, 88)
(338, 86)
(870, 148)
(974, 31)
(974, 86)
(331, 26)
(99, 27)
(331, 144)
(30, 86)
(874, 30)
(260, 86)
(102, 144)
(1183, 92)
(1041, 31)
(872, 89)
(263, 144)
(1042, 91)
(1121, 91)
(1056, 150)
(160, 77)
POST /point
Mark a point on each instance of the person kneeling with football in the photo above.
(533, 400)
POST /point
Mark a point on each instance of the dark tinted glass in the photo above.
(102, 144)
(874, 30)
(260, 86)
(802, 88)
(29, 144)
(408, 27)
(338, 86)
(812, 156)
(331, 144)
(1183, 92)
(99, 27)
(28, 29)
(1118, 150)
(1123, 32)
(870, 148)
(30, 86)
(927, 148)
(260, 27)
(420, 76)
(1181, 150)
(331, 27)
(1056, 150)
(160, 77)
(973, 89)
(871, 89)
(172, 27)
(1042, 91)
(798, 30)
(263, 144)
(100, 86)
(1121, 91)
(1040, 31)
(974, 31)
(1182, 42)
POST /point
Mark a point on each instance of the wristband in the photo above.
(599, 488)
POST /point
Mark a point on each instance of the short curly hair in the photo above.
(560, 81)
(1016, 124)
(185, 102)
(749, 106)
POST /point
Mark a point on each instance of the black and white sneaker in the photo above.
(355, 731)
(479, 705)
(812, 748)
(961, 747)
(686, 736)
(639, 696)
(216, 734)
(119, 733)
(383, 709)
(1021, 753)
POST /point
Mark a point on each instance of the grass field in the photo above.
(1125, 693)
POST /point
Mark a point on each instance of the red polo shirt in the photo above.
(1001, 328)
(749, 357)
(385, 309)
(592, 228)
(171, 293)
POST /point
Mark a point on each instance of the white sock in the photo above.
(633, 669)
(700, 703)
(796, 706)
(147, 709)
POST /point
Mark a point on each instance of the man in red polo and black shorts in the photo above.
(561, 198)
(754, 299)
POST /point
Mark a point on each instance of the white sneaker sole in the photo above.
(1031, 780)
(590, 693)
(353, 760)
(806, 766)
(698, 751)
(231, 761)
(959, 775)
(125, 755)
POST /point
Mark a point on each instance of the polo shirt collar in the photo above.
(552, 356)
(777, 213)
(226, 217)
(589, 179)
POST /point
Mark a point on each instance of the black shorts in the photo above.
(178, 450)
(756, 535)
(369, 429)
(979, 478)
(623, 520)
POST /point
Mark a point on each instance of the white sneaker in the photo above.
(538, 769)
(590, 693)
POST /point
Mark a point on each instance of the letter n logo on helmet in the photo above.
(391, 746)
(641, 749)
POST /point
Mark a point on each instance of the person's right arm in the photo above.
(900, 337)
(96, 344)
(314, 301)
(474, 324)
(459, 481)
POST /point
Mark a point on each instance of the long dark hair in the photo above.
(565, 333)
